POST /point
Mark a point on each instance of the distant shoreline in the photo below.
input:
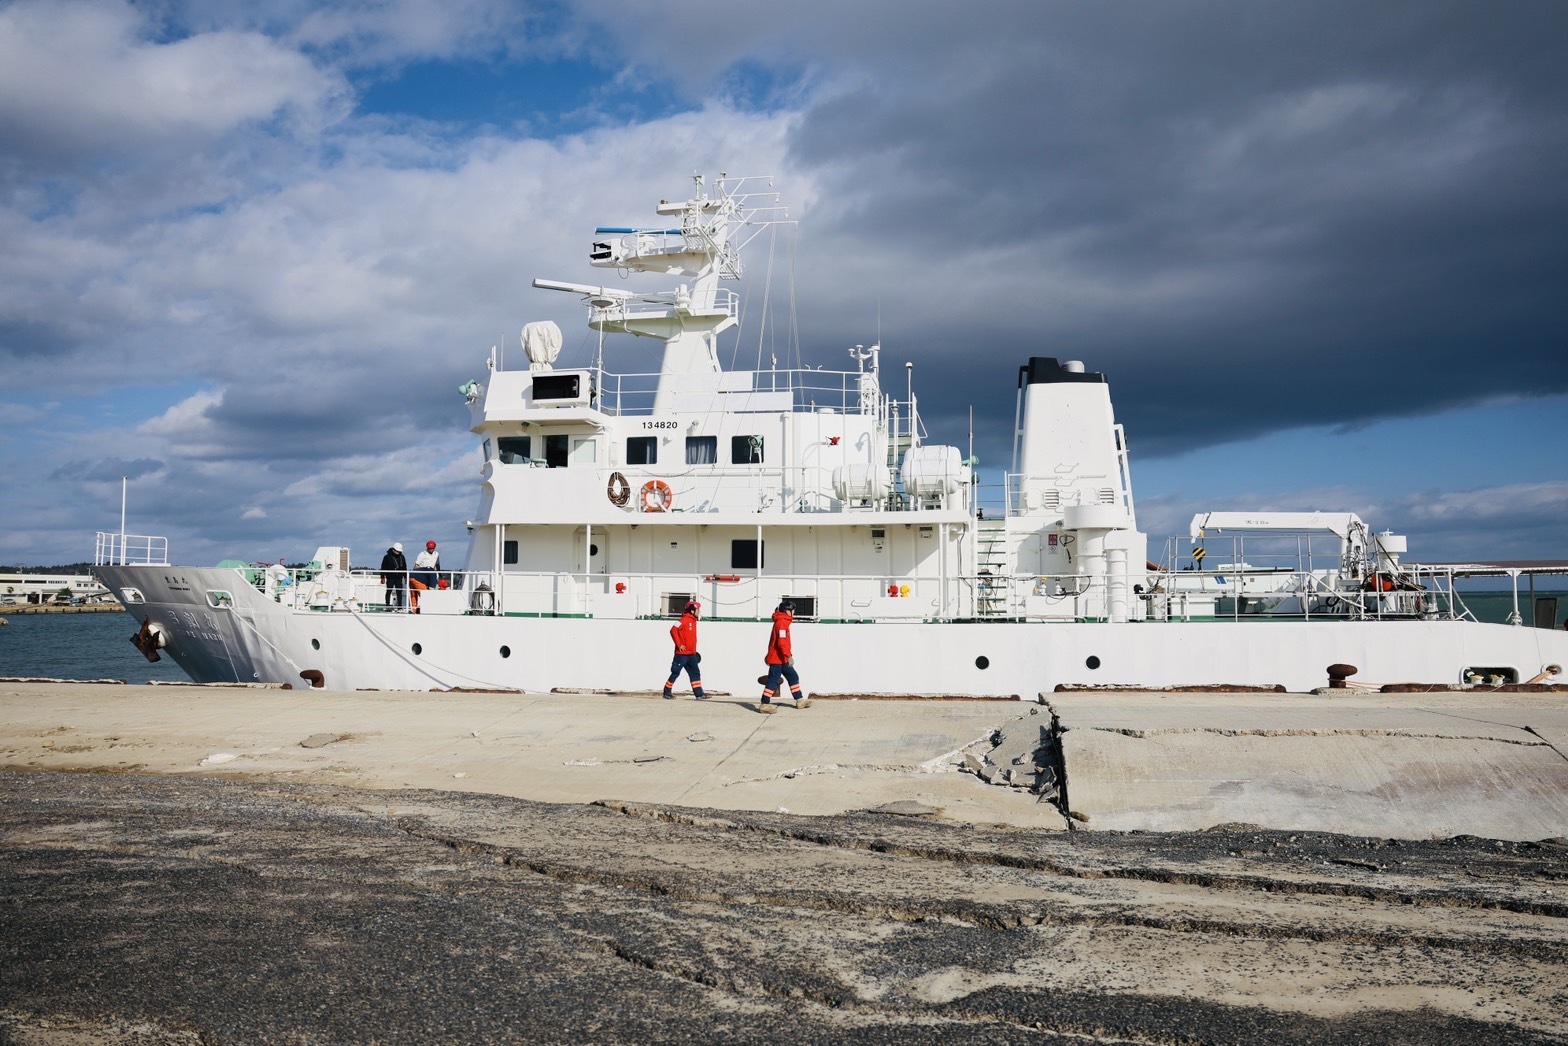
(92, 608)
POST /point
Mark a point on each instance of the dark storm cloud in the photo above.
(103, 470)
(1359, 208)
(23, 339)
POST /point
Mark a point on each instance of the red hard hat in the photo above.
(694, 605)
(430, 544)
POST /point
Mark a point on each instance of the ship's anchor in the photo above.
(149, 640)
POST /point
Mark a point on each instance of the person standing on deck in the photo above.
(277, 579)
(781, 661)
(394, 574)
(684, 632)
(426, 571)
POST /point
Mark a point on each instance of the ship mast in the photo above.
(704, 249)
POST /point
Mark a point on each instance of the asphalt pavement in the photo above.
(197, 864)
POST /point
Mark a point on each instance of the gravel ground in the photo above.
(146, 909)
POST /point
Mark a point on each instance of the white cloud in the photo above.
(187, 425)
(187, 201)
(1542, 502)
(81, 76)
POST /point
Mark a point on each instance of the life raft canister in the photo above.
(656, 496)
(619, 491)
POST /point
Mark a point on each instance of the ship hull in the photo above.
(253, 639)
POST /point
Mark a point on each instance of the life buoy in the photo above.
(1378, 583)
(656, 496)
(619, 491)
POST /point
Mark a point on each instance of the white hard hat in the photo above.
(397, 546)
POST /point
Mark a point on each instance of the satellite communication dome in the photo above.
(542, 342)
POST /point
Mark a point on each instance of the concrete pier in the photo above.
(1409, 766)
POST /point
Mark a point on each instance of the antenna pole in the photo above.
(122, 521)
(909, 376)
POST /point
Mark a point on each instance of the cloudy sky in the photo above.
(249, 249)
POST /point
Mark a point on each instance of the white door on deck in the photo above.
(591, 556)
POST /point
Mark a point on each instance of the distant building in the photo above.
(48, 588)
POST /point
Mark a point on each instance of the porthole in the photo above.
(506, 651)
(593, 549)
(315, 644)
(418, 649)
(982, 662)
(1092, 662)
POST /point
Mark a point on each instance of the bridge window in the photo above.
(747, 554)
(514, 450)
(642, 450)
(746, 450)
(702, 450)
(556, 451)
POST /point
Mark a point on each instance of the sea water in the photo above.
(1496, 606)
(79, 646)
(98, 645)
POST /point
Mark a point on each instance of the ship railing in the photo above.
(1257, 555)
(704, 487)
(317, 588)
(1198, 595)
(722, 301)
(741, 595)
(991, 500)
(811, 390)
(1250, 592)
(558, 594)
(749, 596)
(996, 595)
(112, 548)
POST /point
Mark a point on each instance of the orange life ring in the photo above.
(619, 491)
(656, 496)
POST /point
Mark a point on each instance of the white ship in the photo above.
(608, 501)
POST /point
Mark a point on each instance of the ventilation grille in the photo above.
(805, 606)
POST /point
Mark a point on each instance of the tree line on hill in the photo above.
(68, 568)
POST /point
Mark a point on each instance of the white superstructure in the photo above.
(608, 500)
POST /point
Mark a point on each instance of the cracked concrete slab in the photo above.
(1405, 766)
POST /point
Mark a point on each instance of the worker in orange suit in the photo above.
(781, 661)
(687, 660)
